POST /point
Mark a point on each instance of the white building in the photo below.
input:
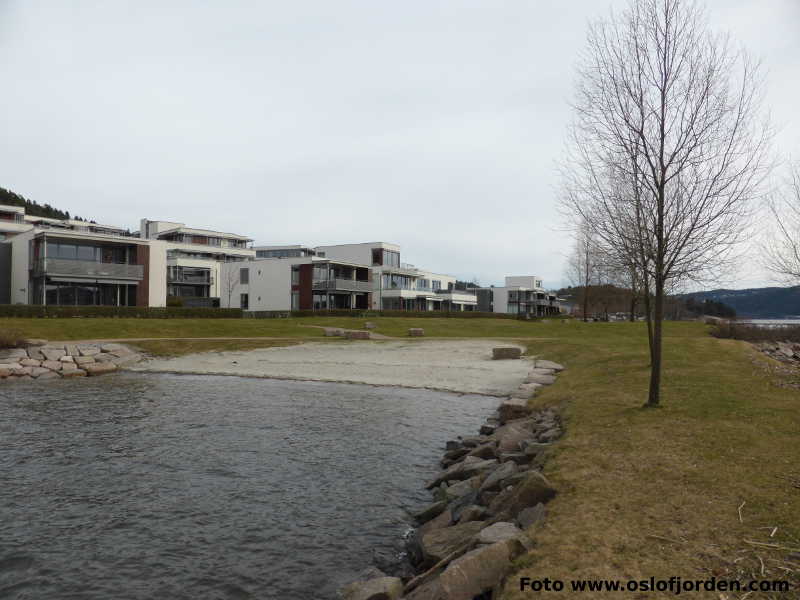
(193, 258)
(520, 295)
(340, 277)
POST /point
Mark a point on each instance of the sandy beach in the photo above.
(459, 366)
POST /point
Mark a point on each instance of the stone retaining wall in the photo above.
(487, 502)
(42, 360)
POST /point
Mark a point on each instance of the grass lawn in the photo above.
(643, 492)
(99, 328)
(657, 492)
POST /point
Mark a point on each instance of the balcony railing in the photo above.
(86, 268)
(194, 279)
(342, 285)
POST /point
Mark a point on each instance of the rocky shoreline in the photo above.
(40, 360)
(487, 501)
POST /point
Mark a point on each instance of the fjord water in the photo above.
(166, 486)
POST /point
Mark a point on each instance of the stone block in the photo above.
(76, 372)
(99, 368)
(357, 335)
(52, 352)
(88, 350)
(506, 352)
(83, 360)
(416, 332)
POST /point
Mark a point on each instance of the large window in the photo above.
(89, 294)
(401, 282)
(106, 254)
(320, 272)
(244, 276)
(386, 258)
(295, 275)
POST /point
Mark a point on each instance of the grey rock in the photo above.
(39, 371)
(512, 436)
(99, 368)
(484, 451)
(495, 479)
(457, 506)
(479, 570)
(53, 365)
(534, 489)
(548, 364)
(519, 458)
(526, 390)
(498, 532)
(506, 352)
(111, 347)
(513, 408)
(49, 375)
(66, 359)
(52, 352)
(36, 354)
(127, 359)
(83, 360)
(12, 354)
(533, 515)
(71, 349)
(88, 350)
(382, 588)
(33, 342)
(104, 357)
(452, 445)
(463, 470)
(488, 429)
(430, 511)
(30, 362)
(473, 512)
(76, 372)
(462, 488)
(549, 435)
(438, 544)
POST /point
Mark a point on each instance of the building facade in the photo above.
(521, 295)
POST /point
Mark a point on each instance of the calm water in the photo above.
(161, 486)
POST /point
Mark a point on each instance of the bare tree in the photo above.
(582, 265)
(668, 148)
(781, 250)
(230, 281)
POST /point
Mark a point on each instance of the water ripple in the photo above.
(139, 487)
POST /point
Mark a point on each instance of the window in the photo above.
(436, 285)
(295, 301)
(295, 275)
(244, 276)
(244, 301)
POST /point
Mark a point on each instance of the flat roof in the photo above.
(205, 232)
(15, 209)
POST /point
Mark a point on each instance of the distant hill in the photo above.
(33, 208)
(758, 303)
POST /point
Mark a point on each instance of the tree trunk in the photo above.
(654, 396)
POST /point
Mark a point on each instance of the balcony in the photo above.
(342, 285)
(87, 269)
(191, 279)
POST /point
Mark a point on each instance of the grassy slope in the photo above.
(726, 435)
(643, 492)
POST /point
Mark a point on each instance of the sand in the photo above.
(463, 366)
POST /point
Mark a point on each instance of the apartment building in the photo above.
(67, 262)
(346, 276)
(193, 259)
(521, 295)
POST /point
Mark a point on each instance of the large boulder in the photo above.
(30, 362)
(529, 492)
(382, 588)
(496, 478)
(499, 532)
(52, 352)
(479, 571)
(430, 590)
(462, 488)
(484, 451)
(441, 543)
(512, 436)
(513, 408)
(99, 368)
(531, 516)
(473, 512)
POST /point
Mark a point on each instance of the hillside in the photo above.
(33, 208)
(761, 303)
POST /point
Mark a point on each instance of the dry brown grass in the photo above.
(656, 492)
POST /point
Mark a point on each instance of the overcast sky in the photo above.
(430, 124)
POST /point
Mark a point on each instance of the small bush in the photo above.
(10, 338)
(174, 301)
